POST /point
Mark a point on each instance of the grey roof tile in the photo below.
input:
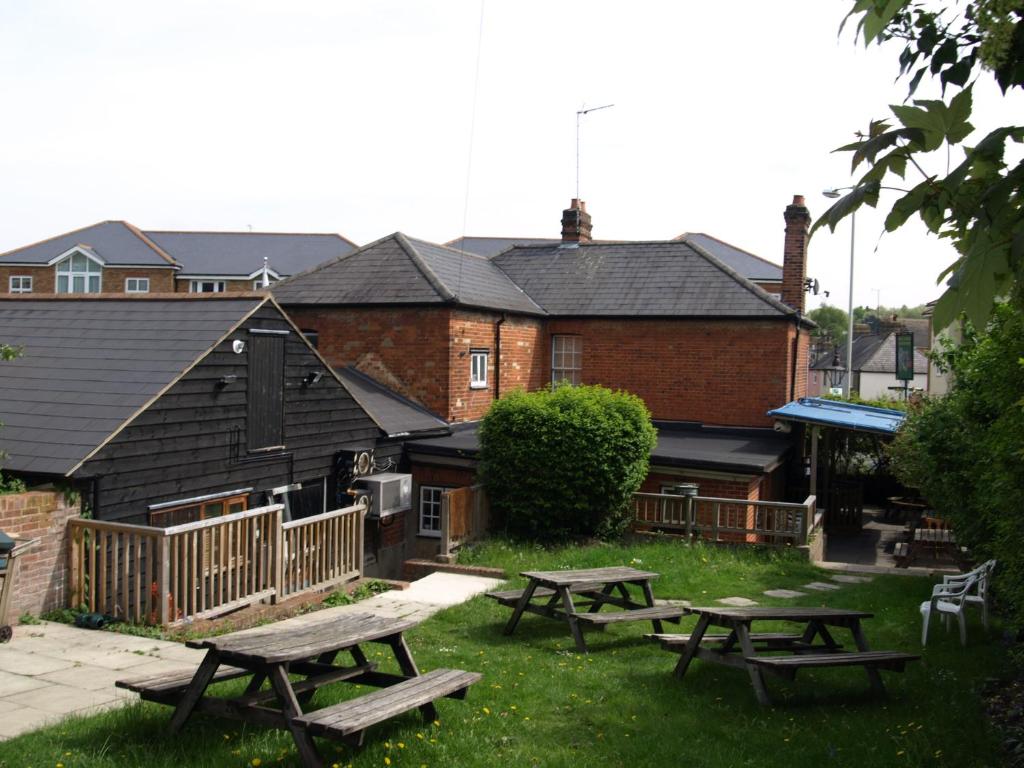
(745, 263)
(116, 242)
(492, 246)
(87, 365)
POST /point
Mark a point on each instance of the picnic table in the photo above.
(306, 649)
(780, 652)
(577, 596)
(938, 541)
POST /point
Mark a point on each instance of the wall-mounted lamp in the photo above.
(312, 378)
(227, 379)
(238, 346)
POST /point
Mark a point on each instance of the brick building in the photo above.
(709, 350)
(117, 257)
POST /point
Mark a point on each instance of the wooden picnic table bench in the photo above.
(598, 587)
(743, 649)
(306, 648)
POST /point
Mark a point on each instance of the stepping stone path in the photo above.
(787, 593)
(738, 602)
(844, 578)
(821, 586)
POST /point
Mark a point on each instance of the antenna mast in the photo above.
(580, 112)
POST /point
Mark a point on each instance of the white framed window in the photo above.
(257, 284)
(206, 286)
(79, 274)
(136, 285)
(430, 510)
(20, 284)
(478, 369)
(566, 359)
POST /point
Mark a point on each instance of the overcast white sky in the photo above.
(355, 117)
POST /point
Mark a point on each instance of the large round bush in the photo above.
(564, 463)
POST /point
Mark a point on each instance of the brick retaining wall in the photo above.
(43, 573)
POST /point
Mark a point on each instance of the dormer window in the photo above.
(79, 274)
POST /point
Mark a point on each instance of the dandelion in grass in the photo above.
(401, 745)
(255, 762)
(387, 760)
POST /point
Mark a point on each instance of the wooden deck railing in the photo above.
(718, 519)
(465, 516)
(144, 574)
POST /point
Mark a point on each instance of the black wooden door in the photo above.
(266, 391)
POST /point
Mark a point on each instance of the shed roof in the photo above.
(833, 413)
(394, 414)
(401, 270)
(88, 365)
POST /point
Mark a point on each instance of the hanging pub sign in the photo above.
(905, 356)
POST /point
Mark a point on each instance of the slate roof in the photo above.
(394, 414)
(872, 353)
(635, 279)
(402, 270)
(88, 365)
(242, 253)
(832, 413)
(117, 243)
(747, 264)
(492, 246)
(753, 451)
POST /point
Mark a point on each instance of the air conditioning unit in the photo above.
(390, 492)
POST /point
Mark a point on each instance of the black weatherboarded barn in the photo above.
(169, 408)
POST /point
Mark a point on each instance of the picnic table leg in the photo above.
(524, 601)
(608, 589)
(255, 683)
(404, 657)
(323, 658)
(756, 678)
(874, 676)
(204, 674)
(691, 646)
(570, 616)
(291, 709)
(649, 599)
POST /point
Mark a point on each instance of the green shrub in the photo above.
(965, 451)
(564, 463)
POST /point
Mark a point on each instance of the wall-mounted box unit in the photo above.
(390, 492)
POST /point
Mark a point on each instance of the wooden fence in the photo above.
(465, 516)
(144, 574)
(717, 519)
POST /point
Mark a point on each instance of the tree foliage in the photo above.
(977, 204)
(964, 452)
(832, 323)
(565, 463)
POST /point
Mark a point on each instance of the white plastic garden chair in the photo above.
(979, 596)
(948, 600)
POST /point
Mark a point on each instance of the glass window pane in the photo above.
(77, 284)
(62, 284)
(94, 283)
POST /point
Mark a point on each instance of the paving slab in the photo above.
(845, 578)
(821, 586)
(15, 719)
(62, 699)
(738, 602)
(15, 660)
(784, 593)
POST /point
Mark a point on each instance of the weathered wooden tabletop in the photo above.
(614, 574)
(782, 613)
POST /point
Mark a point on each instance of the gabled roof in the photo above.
(394, 414)
(117, 243)
(492, 246)
(635, 279)
(833, 413)
(747, 264)
(89, 365)
(242, 253)
(401, 270)
(872, 353)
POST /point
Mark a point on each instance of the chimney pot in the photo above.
(576, 225)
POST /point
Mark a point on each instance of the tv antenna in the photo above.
(579, 113)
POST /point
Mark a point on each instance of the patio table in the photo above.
(560, 592)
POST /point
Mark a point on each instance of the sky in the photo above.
(454, 117)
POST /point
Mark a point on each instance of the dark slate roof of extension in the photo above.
(89, 365)
(492, 246)
(745, 263)
(635, 279)
(115, 242)
(401, 270)
(242, 253)
(753, 451)
(872, 353)
(394, 414)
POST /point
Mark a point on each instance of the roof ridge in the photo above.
(55, 237)
(141, 235)
(418, 261)
(331, 262)
(238, 232)
(456, 251)
(683, 237)
(743, 282)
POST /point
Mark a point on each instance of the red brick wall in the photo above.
(404, 348)
(525, 355)
(43, 279)
(717, 372)
(470, 331)
(42, 580)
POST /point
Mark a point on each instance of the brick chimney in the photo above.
(794, 254)
(576, 223)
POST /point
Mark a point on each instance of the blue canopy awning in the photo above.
(834, 413)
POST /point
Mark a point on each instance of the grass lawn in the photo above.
(542, 704)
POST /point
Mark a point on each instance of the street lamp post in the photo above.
(848, 383)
